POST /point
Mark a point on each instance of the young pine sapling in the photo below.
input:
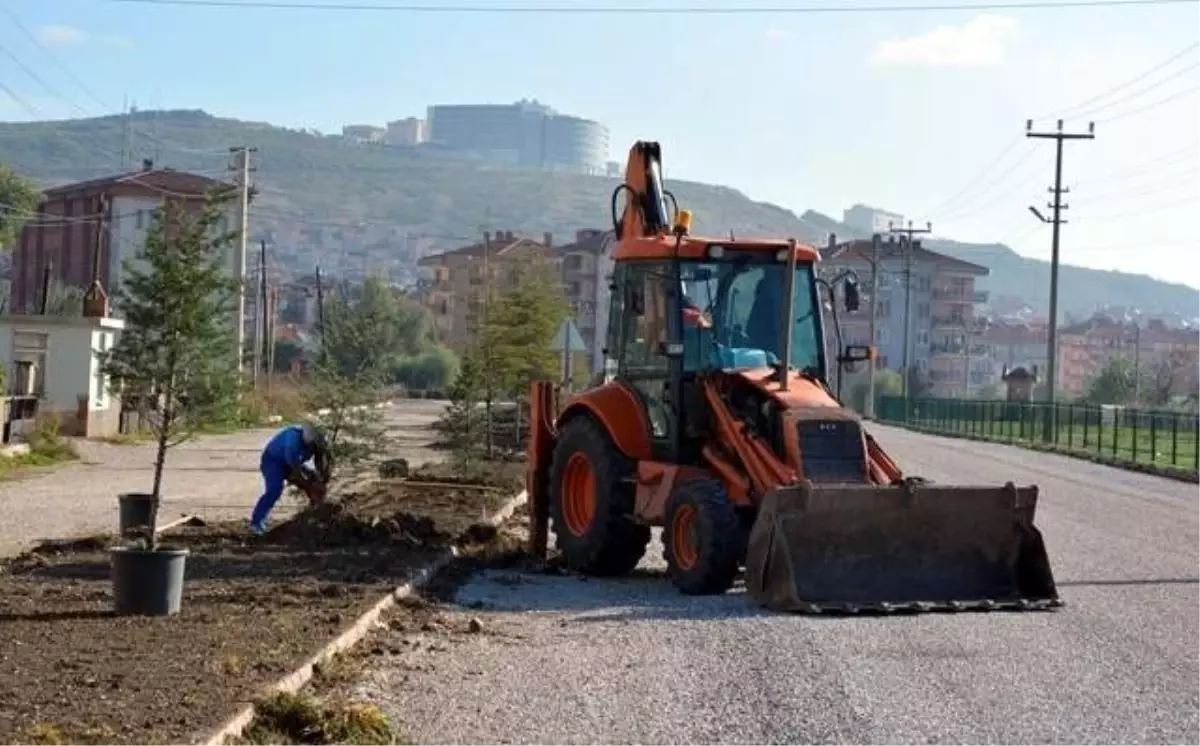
(178, 349)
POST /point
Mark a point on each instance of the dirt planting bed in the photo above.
(326, 712)
(254, 609)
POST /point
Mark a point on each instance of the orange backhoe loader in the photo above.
(718, 425)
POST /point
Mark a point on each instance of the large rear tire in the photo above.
(591, 502)
(702, 538)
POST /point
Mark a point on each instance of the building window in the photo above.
(139, 219)
(922, 310)
(573, 261)
(32, 347)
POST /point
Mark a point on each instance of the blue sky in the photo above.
(897, 110)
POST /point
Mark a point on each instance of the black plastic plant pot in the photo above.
(136, 511)
(147, 582)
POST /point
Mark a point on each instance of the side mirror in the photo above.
(856, 354)
(850, 292)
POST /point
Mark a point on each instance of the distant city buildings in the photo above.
(941, 299)
(525, 133)
(455, 281)
(409, 132)
(364, 133)
(871, 220)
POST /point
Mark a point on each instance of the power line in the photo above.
(636, 10)
(40, 80)
(983, 174)
(20, 101)
(1148, 107)
(16, 21)
(980, 177)
(961, 213)
(1139, 92)
(1080, 109)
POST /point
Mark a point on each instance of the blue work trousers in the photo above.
(274, 473)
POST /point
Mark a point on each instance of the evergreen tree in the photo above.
(178, 345)
(462, 423)
(349, 377)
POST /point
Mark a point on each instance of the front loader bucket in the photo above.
(851, 548)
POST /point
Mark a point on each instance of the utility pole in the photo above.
(242, 170)
(321, 315)
(970, 329)
(260, 311)
(1137, 361)
(907, 247)
(487, 344)
(876, 244)
(1056, 220)
(95, 300)
(273, 305)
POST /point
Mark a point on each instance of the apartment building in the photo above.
(1086, 347)
(1010, 345)
(455, 281)
(941, 296)
(587, 267)
(91, 227)
(870, 219)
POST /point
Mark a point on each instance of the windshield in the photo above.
(734, 311)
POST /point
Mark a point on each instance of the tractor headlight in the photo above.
(716, 252)
(781, 255)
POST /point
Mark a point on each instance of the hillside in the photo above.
(309, 180)
(318, 178)
(1081, 289)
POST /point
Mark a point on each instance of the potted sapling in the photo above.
(178, 356)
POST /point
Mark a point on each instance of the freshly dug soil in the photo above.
(254, 609)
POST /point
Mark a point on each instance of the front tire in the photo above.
(591, 502)
(702, 538)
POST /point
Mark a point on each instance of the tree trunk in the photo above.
(160, 456)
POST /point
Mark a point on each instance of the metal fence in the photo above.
(1118, 433)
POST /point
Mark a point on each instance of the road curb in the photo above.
(296, 680)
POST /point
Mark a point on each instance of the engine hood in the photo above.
(806, 397)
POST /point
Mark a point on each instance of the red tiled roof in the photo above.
(862, 249)
(163, 179)
(497, 247)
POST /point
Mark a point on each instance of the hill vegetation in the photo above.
(311, 179)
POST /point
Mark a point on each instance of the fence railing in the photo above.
(1118, 433)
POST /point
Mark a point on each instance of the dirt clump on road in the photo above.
(254, 609)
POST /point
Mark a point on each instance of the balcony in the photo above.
(953, 322)
(951, 295)
(958, 349)
(980, 296)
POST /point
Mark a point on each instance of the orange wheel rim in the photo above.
(685, 544)
(578, 494)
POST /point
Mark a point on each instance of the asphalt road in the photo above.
(570, 661)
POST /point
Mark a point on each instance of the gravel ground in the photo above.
(620, 661)
(215, 477)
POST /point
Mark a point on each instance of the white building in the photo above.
(58, 360)
(871, 220)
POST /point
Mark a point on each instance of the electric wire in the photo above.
(813, 8)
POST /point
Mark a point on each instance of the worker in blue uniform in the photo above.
(284, 460)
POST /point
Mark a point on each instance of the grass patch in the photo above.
(125, 439)
(305, 719)
(47, 447)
